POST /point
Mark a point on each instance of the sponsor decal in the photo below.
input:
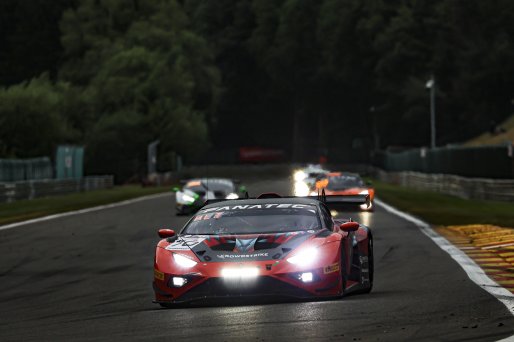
(241, 256)
(331, 269)
(158, 274)
(258, 206)
(185, 243)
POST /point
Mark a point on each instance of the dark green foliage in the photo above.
(32, 119)
(303, 75)
(133, 72)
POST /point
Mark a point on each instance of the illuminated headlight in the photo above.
(301, 189)
(306, 277)
(365, 206)
(184, 198)
(179, 281)
(183, 261)
(187, 198)
(304, 258)
(243, 272)
(314, 193)
(232, 196)
(364, 192)
(299, 175)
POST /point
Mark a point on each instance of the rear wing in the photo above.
(343, 199)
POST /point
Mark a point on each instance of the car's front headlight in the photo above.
(299, 175)
(232, 196)
(301, 189)
(304, 258)
(188, 198)
(364, 192)
(183, 261)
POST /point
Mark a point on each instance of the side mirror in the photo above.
(166, 233)
(349, 226)
(175, 189)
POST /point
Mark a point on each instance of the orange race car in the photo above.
(339, 183)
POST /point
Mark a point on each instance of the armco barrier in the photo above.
(468, 188)
(15, 191)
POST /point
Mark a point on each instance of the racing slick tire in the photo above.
(342, 272)
(370, 268)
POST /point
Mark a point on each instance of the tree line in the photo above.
(198, 75)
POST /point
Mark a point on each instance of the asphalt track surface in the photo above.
(88, 277)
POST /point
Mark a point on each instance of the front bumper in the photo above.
(285, 286)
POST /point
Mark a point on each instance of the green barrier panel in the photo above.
(69, 162)
(13, 170)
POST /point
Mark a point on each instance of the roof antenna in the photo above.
(247, 196)
(323, 196)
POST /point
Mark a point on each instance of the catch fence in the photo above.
(476, 162)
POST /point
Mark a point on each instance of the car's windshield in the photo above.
(254, 219)
(344, 182)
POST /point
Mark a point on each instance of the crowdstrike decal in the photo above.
(241, 256)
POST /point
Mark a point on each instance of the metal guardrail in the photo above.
(15, 191)
(463, 187)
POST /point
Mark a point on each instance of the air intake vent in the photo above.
(227, 246)
(259, 245)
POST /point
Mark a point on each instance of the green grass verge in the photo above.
(29, 209)
(440, 209)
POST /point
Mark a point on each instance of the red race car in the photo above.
(339, 183)
(268, 246)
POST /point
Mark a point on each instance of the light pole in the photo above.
(431, 85)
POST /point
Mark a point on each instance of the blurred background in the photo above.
(132, 88)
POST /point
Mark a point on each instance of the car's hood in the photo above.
(237, 248)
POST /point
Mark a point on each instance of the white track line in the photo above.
(474, 272)
(82, 211)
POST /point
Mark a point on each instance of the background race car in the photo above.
(305, 179)
(339, 183)
(288, 247)
(196, 192)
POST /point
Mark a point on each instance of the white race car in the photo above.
(305, 179)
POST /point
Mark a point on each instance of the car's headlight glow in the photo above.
(183, 261)
(299, 175)
(365, 206)
(304, 258)
(232, 196)
(188, 198)
(364, 192)
(243, 272)
(179, 281)
(301, 189)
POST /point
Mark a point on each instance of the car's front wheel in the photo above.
(368, 285)
(342, 271)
